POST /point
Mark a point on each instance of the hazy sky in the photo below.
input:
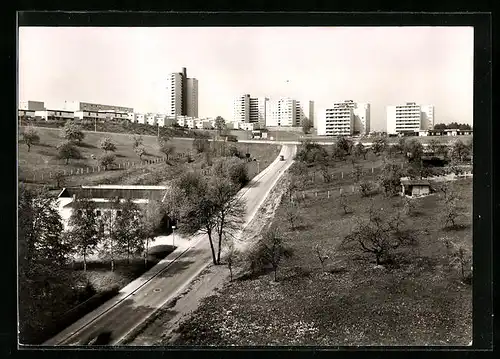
(128, 66)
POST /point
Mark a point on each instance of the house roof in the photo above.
(409, 182)
(110, 193)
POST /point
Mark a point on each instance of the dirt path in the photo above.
(160, 328)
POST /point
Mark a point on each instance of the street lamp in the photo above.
(173, 236)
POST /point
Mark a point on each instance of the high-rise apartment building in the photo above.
(182, 95)
(248, 109)
(337, 120)
(283, 113)
(409, 118)
(241, 108)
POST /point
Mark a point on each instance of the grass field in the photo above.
(419, 299)
(43, 159)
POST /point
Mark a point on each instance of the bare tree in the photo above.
(461, 257)
(231, 256)
(450, 214)
(322, 255)
(291, 213)
(343, 203)
(273, 249)
(30, 137)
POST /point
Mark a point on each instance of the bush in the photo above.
(366, 188)
(107, 160)
(67, 150)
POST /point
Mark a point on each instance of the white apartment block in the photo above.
(55, 115)
(241, 108)
(140, 118)
(174, 94)
(337, 120)
(409, 118)
(150, 118)
(282, 113)
(87, 106)
(87, 115)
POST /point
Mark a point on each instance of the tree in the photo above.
(107, 230)
(459, 151)
(30, 137)
(72, 132)
(338, 153)
(434, 146)
(357, 172)
(232, 168)
(140, 151)
(365, 188)
(165, 148)
(59, 178)
(84, 231)
(107, 145)
(343, 203)
(150, 220)
(390, 179)
(220, 124)
(451, 213)
(136, 140)
(107, 160)
(360, 150)
(306, 125)
(201, 145)
(345, 144)
(67, 150)
(461, 257)
(291, 213)
(327, 176)
(440, 126)
(379, 145)
(414, 151)
(231, 255)
(273, 249)
(322, 255)
(401, 145)
(311, 152)
(376, 236)
(128, 229)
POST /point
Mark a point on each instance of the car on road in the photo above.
(101, 338)
(282, 158)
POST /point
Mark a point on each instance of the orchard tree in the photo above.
(136, 140)
(107, 160)
(201, 145)
(306, 125)
(357, 173)
(414, 151)
(379, 145)
(128, 229)
(232, 254)
(84, 231)
(390, 179)
(345, 144)
(72, 132)
(107, 145)
(344, 203)
(272, 249)
(67, 150)
(360, 150)
(140, 151)
(338, 153)
(434, 146)
(30, 137)
(59, 178)
(291, 213)
(151, 217)
(401, 145)
(166, 148)
(322, 255)
(459, 151)
(220, 124)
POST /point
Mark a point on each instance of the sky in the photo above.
(129, 66)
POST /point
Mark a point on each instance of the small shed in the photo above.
(415, 188)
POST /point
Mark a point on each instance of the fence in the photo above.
(44, 176)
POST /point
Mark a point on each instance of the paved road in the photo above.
(124, 313)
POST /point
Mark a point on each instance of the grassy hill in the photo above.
(42, 159)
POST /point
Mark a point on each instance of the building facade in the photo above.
(87, 106)
(337, 120)
(32, 105)
(182, 95)
(63, 115)
(241, 108)
(409, 118)
(282, 113)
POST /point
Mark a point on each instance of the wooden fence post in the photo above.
(372, 169)
(303, 194)
(88, 169)
(340, 190)
(352, 189)
(92, 169)
(342, 174)
(34, 177)
(71, 172)
(42, 176)
(328, 194)
(50, 174)
(65, 172)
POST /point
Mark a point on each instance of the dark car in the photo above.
(282, 158)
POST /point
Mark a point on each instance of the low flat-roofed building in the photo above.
(55, 115)
(415, 188)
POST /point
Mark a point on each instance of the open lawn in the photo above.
(42, 159)
(417, 299)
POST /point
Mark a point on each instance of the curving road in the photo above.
(136, 302)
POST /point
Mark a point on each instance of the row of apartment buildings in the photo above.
(251, 113)
(349, 118)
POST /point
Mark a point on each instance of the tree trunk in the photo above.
(212, 247)
(67, 160)
(128, 252)
(377, 258)
(29, 147)
(231, 272)
(84, 261)
(146, 253)
(275, 273)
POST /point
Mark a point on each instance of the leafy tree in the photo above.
(231, 255)
(434, 146)
(390, 179)
(451, 213)
(30, 137)
(311, 152)
(151, 217)
(379, 145)
(360, 150)
(414, 150)
(232, 168)
(220, 124)
(327, 176)
(201, 145)
(84, 231)
(140, 151)
(128, 229)
(459, 151)
(345, 144)
(107, 160)
(233, 151)
(343, 202)
(108, 230)
(107, 145)
(166, 148)
(322, 255)
(306, 125)
(67, 150)
(273, 249)
(72, 132)
(365, 188)
(461, 257)
(338, 153)
(440, 126)
(401, 145)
